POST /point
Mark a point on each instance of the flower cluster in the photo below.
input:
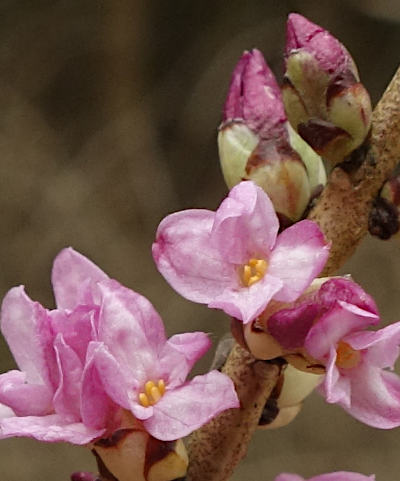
(100, 354)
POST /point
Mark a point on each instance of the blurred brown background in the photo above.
(108, 116)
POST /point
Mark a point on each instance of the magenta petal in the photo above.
(291, 326)
(67, 397)
(52, 428)
(23, 398)
(382, 346)
(298, 257)
(247, 303)
(334, 326)
(179, 355)
(25, 326)
(375, 397)
(185, 257)
(184, 409)
(245, 224)
(73, 278)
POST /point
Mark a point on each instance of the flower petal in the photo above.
(73, 278)
(185, 257)
(333, 326)
(25, 326)
(131, 329)
(23, 398)
(180, 354)
(67, 397)
(288, 477)
(246, 303)
(382, 346)
(184, 409)
(97, 408)
(335, 387)
(245, 225)
(298, 257)
(375, 397)
(52, 428)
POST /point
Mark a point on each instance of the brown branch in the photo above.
(216, 448)
(343, 208)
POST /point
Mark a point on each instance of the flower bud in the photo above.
(84, 476)
(152, 459)
(384, 218)
(256, 142)
(324, 99)
(295, 387)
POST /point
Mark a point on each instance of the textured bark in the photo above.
(216, 448)
(342, 210)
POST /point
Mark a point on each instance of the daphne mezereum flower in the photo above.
(233, 259)
(102, 351)
(328, 333)
(337, 476)
(256, 141)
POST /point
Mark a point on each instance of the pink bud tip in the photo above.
(254, 95)
(84, 476)
(330, 53)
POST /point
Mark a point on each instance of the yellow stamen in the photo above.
(161, 386)
(153, 393)
(347, 357)
(253, 271)
(144, 400)
(148, 387)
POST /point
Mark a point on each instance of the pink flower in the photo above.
(338, 476)
(84, 362)
(355, 362)
(233, 259)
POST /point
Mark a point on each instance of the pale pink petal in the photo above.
(78, 327)
(26, 328)
(180, 354)
(184, 409)
(382, 346)
(335, 387)
(375, 396)
(97, 408)
(298, 257)
(52, 428)
(245, 224)
(342, 476)
(131, 328)
(73, 278)
(246, 303)
(184, 255)
(67, 397)
(23, 398)
(334, 326)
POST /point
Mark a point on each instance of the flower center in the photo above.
(253, 271)
(152, 393)
(347, 357)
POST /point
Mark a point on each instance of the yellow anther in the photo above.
(253, 271)
(347, 357)
(144, 400)
(153, 393)
(161, 386)
(148, 387)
